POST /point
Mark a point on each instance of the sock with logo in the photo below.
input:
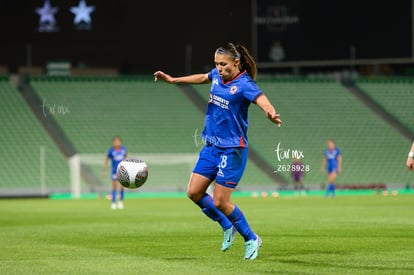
(210, 210)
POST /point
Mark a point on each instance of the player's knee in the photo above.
(194, 196)
(190, 194)
(220, 204)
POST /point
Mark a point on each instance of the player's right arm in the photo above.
(189, 79)
(323, 164)
(105, 166)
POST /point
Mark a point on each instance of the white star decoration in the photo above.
(47, 13)
(82, 12)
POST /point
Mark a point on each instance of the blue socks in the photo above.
(330, 190)
(113, 196)
(239, 221)
(121, 195)
(236, 218)
(207, 206)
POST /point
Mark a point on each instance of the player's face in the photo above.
(227, 67)
(331, 145)
(116, 143)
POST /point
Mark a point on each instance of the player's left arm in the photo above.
(263, 102)
(339, 163)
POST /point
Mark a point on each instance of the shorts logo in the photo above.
(233, 90)
(220, 173)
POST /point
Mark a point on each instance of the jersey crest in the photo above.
(233, 90)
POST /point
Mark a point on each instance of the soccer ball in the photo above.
(132, 173)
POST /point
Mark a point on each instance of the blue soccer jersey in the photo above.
(226, 119)
(116, 156)
(331, 157)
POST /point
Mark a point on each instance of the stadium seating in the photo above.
(150, 118)
(21, 138)
(159, 118)
(395, 95)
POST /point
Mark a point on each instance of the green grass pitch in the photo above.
(309, 235)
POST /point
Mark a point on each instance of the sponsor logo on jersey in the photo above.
(219, 101)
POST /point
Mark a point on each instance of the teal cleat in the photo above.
(252, 248)
(229, 235)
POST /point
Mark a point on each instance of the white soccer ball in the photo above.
(132, 173)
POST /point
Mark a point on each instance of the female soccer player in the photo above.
(410, 160)
(332, 164)
(223, 159)
(116, 154)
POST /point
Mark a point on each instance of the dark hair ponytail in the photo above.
(239, 51)
(246, 60)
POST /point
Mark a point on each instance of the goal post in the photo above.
(167, 171)
(75, 176)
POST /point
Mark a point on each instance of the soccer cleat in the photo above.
(113, 206)
(252, 248)
(229, 235)
(120, 205)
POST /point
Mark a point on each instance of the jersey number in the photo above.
(223, 162)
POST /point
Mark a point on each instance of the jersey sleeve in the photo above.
(211, 73)
(252, 92)
(109, 153)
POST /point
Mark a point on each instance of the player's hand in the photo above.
(410, 164)
(104, 174)
(275, 118)
(160, 75)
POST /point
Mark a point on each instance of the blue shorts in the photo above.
(224, 165)
(330, 170)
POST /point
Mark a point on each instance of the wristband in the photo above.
(411, 154)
